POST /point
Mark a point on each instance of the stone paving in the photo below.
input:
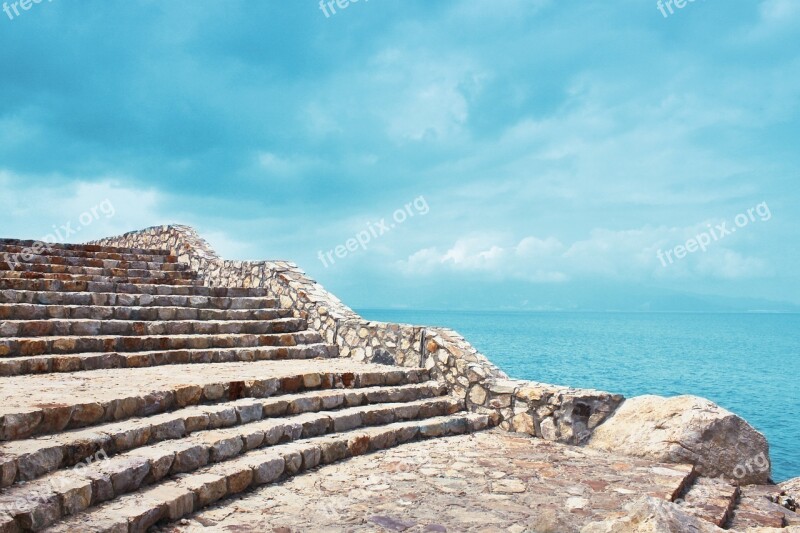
(107, 385)
(486, 482)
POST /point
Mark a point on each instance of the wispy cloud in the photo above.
(629, 255)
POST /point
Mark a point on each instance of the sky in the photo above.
(481, 154)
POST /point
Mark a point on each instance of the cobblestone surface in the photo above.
(487, 482)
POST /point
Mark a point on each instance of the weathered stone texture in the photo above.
(98, 435)
(687, 429)
(792, 487)
(651, 515)
(489, 481)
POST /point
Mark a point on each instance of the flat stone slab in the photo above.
(489, 481)
(20, 393)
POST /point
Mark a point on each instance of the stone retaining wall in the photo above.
(546, 411)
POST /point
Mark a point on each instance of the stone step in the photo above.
(6, 269)
(31, 346)
(84, 399)
(75, 490)
(90, 261)
(125, 300)
(81, 327)
(109, 312)
(13, 274)
(755, 509)
(82, 362)
(7, 245)
(126, 288)
(25, 460)
(19, 256)
(710, 499)
(182, 494)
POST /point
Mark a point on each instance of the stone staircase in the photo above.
(735, 508)
(754, 508)
(711, 499)
(130, 393)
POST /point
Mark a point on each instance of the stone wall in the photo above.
(546, 411)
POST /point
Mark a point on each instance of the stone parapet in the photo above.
(546, 411)
(283, 279)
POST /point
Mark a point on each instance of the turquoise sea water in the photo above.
(747, 363)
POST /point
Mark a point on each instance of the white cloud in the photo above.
(731, 265)
(284, 166)
(629, 255)
(777, 14)
(319, 121)
(435, 111)
(408, 93)
(227, 247)
(110, 205)
(100, 207)
(428, 96)
(528, 260)
(16, 131)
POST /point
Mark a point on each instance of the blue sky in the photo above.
(556, 146)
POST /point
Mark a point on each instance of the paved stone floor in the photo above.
(106, 385)
(487, 482)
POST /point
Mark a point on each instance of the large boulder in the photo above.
(652, 515)
(687, 429)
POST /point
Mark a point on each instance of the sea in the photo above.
(747, 363)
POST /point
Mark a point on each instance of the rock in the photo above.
(792, 487)
(20, 425)
(76, 494)
(127, 475)
(786, 501)
(477, 395)
(789, 529)
(268, 471)
(549, 430)
(179, 500)
(508, 486)
(8, 471)
(500, 401)
(687, 429)
(207, 488)
(523, 423)
(391, 524)
(382, 357)
(503, 386)
(652, 515)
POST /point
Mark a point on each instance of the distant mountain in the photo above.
(571, 296)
